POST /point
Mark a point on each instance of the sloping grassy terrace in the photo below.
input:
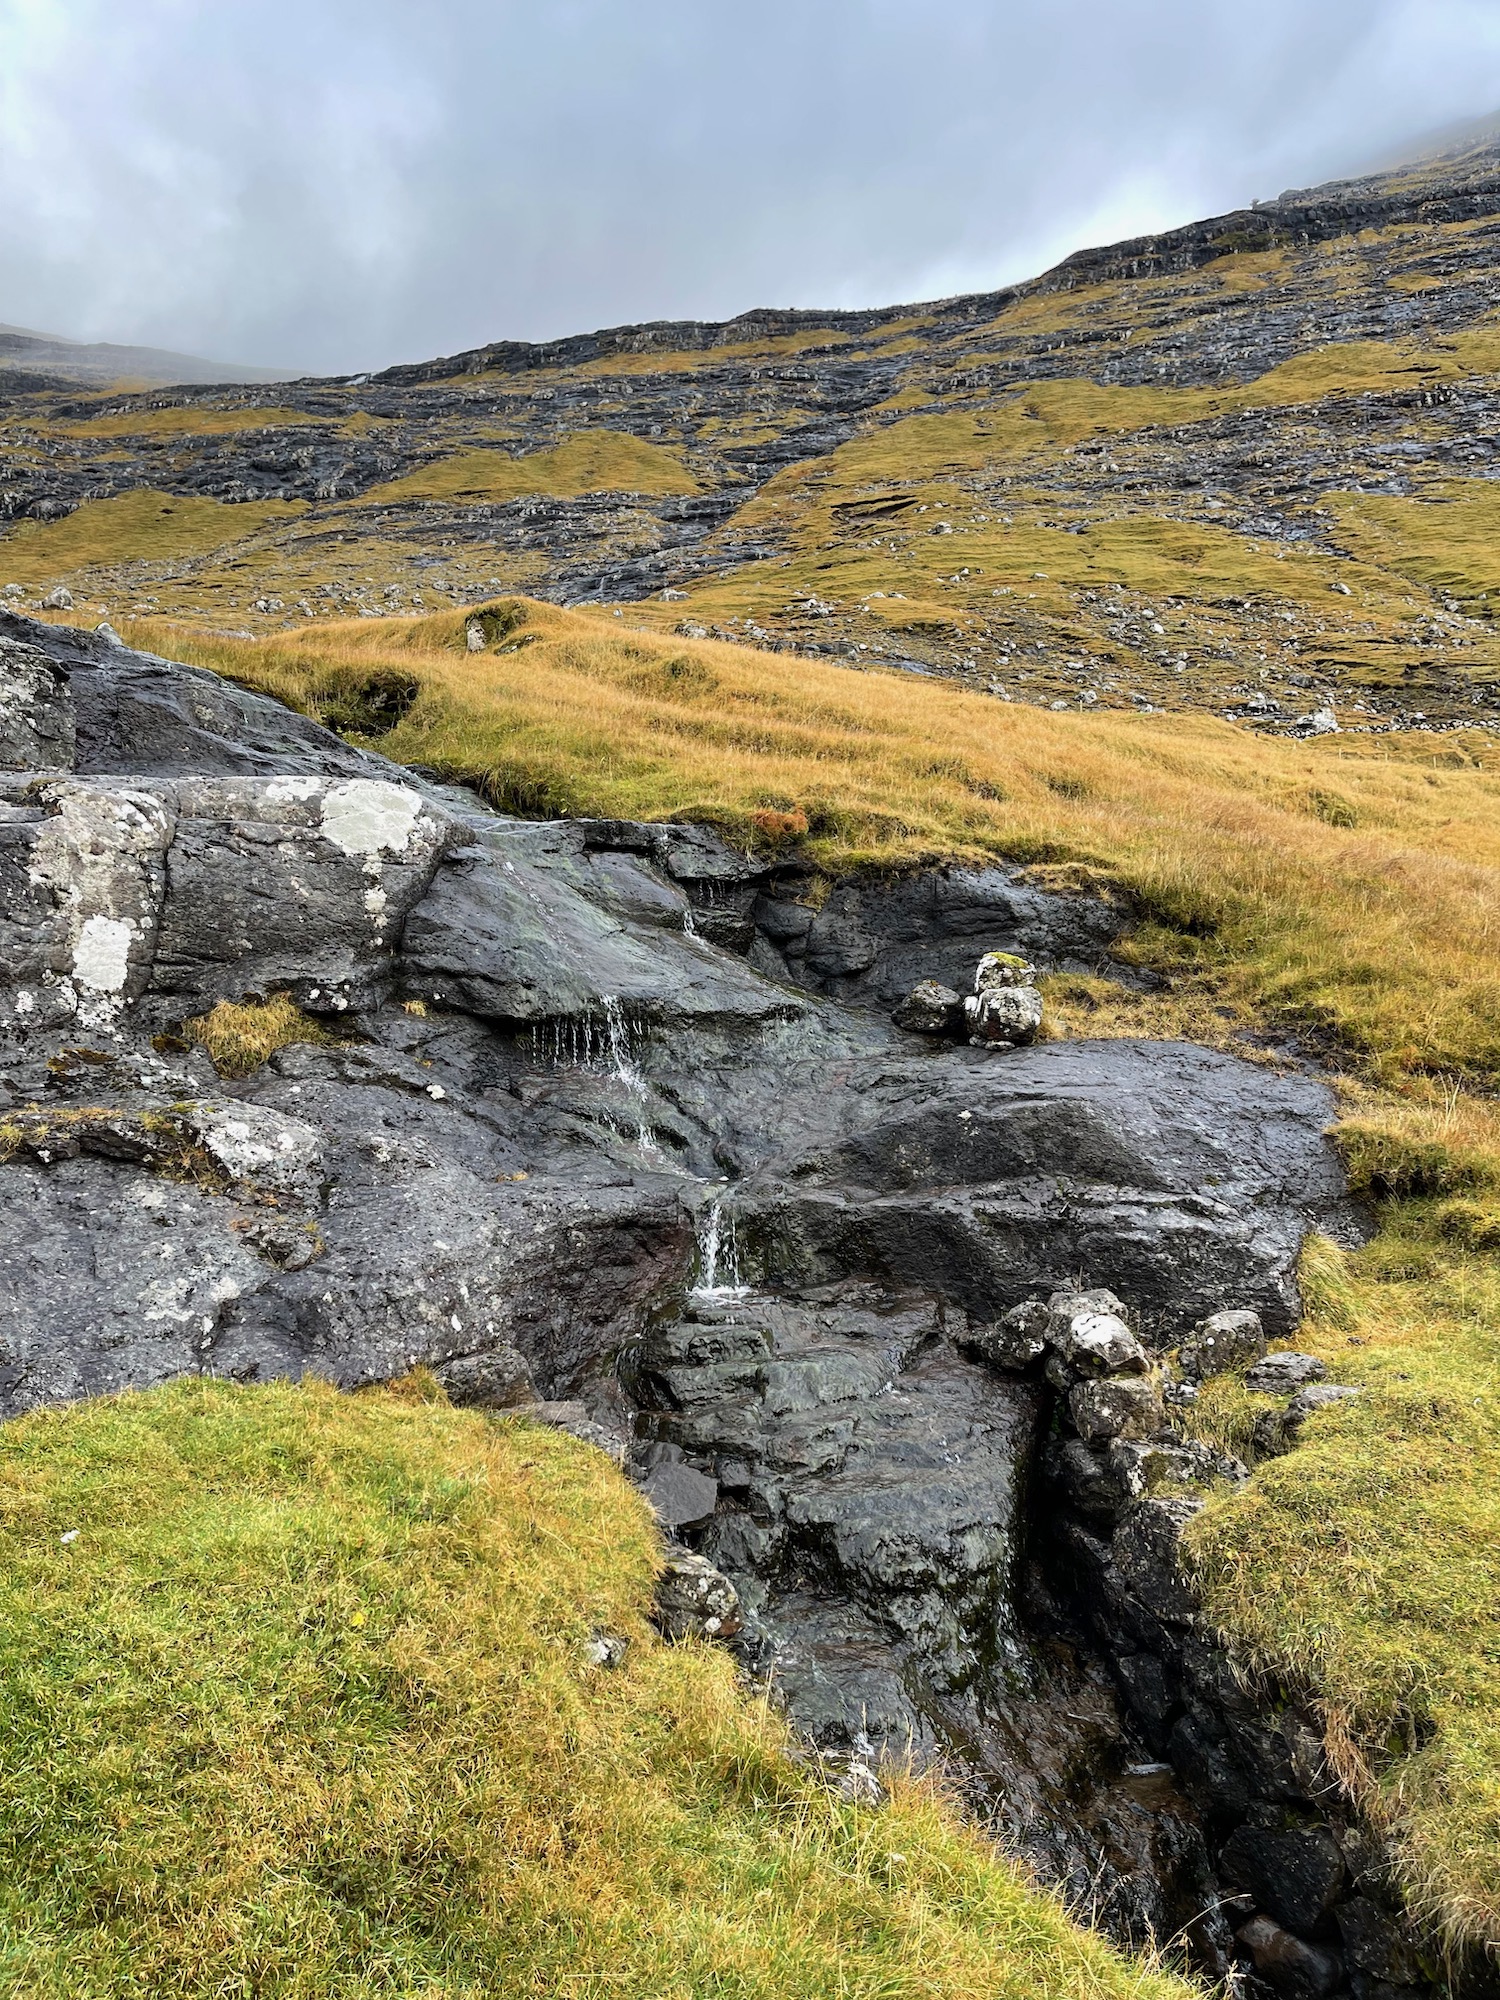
(298, 1702)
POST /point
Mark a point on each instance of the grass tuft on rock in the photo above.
(298, 1703)
(240, 1035)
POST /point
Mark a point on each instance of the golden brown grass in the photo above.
(1353, 888)
(298, 1703)
(241, 1035)
(188, 420)
(593, 461)
(142, 526)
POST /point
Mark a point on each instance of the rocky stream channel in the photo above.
(613, 1123)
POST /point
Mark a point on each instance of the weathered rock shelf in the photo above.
(605, 1121)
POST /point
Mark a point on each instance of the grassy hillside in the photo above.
(1351, 886)
(298, 1703)
(1344, 891)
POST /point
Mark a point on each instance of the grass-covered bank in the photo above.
(297, 1702)
(1365, 1564)
(1348, 887)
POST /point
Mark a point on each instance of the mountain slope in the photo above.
(1245, 466)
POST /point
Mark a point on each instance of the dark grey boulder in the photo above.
(930, 1009)
(1296, 1874)
(1288, 1964)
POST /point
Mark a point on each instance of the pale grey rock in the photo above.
(36, 711)
(1005, 1017)
(1288, 1964)
(1280, 1373)
(693, 1600)
(1222, 1343)
(1096, 1343)
(1015, 1341)
(1128, 1406)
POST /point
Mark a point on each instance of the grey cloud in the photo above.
(337, 185)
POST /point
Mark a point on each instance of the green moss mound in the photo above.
(298, 1701)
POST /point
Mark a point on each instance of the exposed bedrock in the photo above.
(561, 1094)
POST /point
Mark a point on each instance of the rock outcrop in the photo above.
(528, 1124)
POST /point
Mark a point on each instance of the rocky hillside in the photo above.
(1016, 1191)
(312, 1066)
(1243, 467)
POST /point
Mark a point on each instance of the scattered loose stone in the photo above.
(606, 1649)
(682, 1496)
(694, 1600)
(1097, 1343)
(930, 1009)
(1279, 1374)
(497, 1380)
(1005, 1008)
(1223, 1342)
(1318, 1396)
(1016, 1341)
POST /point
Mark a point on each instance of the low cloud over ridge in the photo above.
(333, 185)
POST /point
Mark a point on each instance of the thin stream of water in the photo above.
(718, 1275)
(582, 1041)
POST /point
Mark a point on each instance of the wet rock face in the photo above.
(549, 1059)
(870, 1483)
(1190, 1177)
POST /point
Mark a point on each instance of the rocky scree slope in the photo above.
(818, 1283)
(1246, 466)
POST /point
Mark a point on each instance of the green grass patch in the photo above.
(298, 1703)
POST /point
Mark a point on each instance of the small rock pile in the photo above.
(1003, 1012)
(1124, 1443)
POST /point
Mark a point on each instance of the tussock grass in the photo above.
(298, 1703)
(1383, 933)
(241, 1035)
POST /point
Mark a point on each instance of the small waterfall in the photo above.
(608, 1045)
(718, 1274)
(626, 1071)
(617, 1041)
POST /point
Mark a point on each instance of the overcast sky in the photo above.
(337, 184)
